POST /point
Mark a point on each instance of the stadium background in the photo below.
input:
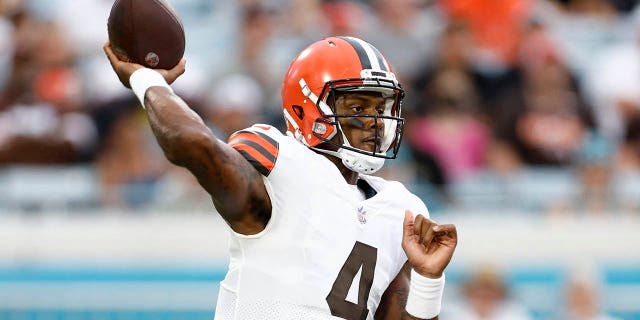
(524, 131)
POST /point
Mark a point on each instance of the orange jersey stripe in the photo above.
(259, 149)
(270, 145)
(257, 159)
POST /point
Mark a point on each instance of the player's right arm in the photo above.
(237, 189)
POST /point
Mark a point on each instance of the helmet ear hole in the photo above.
(298, 111)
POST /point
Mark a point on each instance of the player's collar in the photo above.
(369, 191)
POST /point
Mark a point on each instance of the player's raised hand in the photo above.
(429, 246)
(124, 69)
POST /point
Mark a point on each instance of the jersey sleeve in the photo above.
(258, 146)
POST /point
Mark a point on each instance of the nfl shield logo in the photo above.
(362, 216)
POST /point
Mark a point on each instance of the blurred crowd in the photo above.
(486, 293)
(514, 105)
(532, 105)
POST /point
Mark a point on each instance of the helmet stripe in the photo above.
(381, 60)
(370, 56)
(360, 50)
(377, 62)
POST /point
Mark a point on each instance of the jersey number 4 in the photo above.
(363, 257)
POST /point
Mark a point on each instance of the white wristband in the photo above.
(425, 296)
(143, 79)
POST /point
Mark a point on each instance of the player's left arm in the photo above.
(429, 248)
(394, 298)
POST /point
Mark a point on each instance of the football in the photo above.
(148, 32)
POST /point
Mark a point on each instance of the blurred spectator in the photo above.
(6, 50)
(233, 103)
(266, 45)
(582, 300)
(629, 157)
(497, 28)
(178, 191)
(257, 27)
(600, 8)
(595, 170)
(508, 67)
(449, 131)
(36, 133)
(545, 117)
(485, 296)
(624, 6)
(86, 33)
(457, 49)
(584, 28)
(612, 80)
(86, 37)
(627, 179)
(344, 17)
(130, 163)
(454, 51)
(306, 19)
(399, 25)
(41, 107)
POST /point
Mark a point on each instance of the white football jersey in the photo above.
(325, 253)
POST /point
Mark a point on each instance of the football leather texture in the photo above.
(147, 32)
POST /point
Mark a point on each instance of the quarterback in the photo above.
(314, 235)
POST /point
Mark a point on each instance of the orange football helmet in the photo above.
(341, 64)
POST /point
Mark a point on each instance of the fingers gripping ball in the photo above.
(148, 32)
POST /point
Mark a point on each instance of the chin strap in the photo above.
(354, 161)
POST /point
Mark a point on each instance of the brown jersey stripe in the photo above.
(266, 142)
(258, 147)
(259, 161)
(255, 163)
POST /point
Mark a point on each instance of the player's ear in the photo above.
(298, 111)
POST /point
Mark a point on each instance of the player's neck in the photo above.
(349, 175)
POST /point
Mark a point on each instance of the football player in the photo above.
(314, 235)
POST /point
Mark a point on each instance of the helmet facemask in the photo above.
(387, 125)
